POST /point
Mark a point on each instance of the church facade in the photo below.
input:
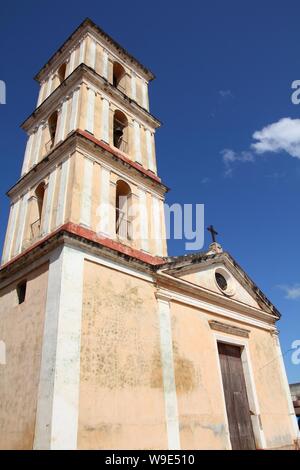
(110, 343)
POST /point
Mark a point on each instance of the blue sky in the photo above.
(224, 71)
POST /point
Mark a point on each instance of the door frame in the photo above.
(259, 436)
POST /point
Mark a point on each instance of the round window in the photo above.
(221, 281)
(225, 282)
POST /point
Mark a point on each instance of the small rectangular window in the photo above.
(21, 291)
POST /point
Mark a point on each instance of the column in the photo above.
(144, 228)
(41, 93)
(150, 158)
(137, 142)
(145, 103)
(167, 361)
(21, 224)
(90, 111)
(156, 220)
(105, 120)
(92, 53)
(86, 195)
(37, 144)
(49, 86)
(74, 110)
(61, 126)
(11, 227)
(71, 63)
(62, 195)
(58, 391)
(112, 208)
(105, 64)
(82, 51)
(133, 86)
(27, 155)
(49, 203)
(103, 211)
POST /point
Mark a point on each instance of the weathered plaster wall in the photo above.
(121, 391)
(95, 207)
(205, 277)
(21, 328)
(270, 389)
(200, 393)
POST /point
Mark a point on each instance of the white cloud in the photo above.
(291, 292)
(205, 180)
(228, 172)
(280, 136)
(225, 94)
(230, 156)
(283, 135)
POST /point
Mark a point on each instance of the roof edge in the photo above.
(199, 257)
(87, 22)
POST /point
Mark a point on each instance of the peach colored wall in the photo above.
(270, 388)
(21, 328)
(199, 395)
(128, 132)
(76, 188)
(121, 403)
(205, 277)
(199, 392)
(121, 392)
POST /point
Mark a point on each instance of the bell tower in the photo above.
(90, 155)
(89, 197)
(101, 332)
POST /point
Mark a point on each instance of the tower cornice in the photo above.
(81, 73)
(78, 140)
(88, 26)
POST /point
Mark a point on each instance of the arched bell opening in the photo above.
(120, 133)
(119, 75)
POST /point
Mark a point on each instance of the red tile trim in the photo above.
(92, 236)
(120, 155)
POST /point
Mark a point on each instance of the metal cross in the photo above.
(213, 233)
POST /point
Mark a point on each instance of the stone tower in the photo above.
(89, 173)
(90, 155)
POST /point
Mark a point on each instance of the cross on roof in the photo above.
(213, 233)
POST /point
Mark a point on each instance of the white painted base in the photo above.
(58, 394)
(166, 350)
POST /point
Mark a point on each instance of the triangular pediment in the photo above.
(220, 274)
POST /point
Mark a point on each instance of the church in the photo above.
(111, 343)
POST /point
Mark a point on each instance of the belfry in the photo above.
(110, 343)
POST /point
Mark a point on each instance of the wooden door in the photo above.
(237, 405)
